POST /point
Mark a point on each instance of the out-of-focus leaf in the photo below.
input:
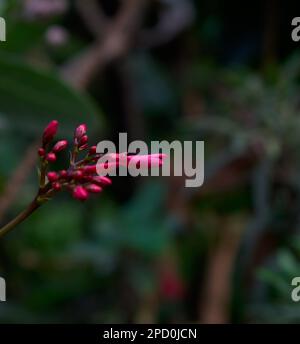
(60, 230)
(29, 98)
(275, 280)
(288, 263)
(22, 36)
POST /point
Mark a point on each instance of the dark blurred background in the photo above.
(149, 249)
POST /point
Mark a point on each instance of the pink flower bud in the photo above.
(93, 150)
(158, 156)
(63, 174)
(51, 157)
(144, 161)
(92, 169)
(50, 132)
(84, 140)
(81, 148)
(106, 180)
(92, 188)
(104, 169)
(60, 145)
(77, 175)
(80, 131)
(52, 176)
(80, 193)
(56, 186)
(120, 159)
(102, 180)
(41, 152)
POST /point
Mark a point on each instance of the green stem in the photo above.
(43, 175)
(20, 218)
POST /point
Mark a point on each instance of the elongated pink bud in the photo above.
(158, 156)
(41, 152)
(80, 131)
(114, 157)
(104, 168)
(144, 161)
(63, 174)
(121, 158)
(84, 140)
(51, 157)
(106, 180)
(93, 150)
(92, 188)
(56, 186)
(50, 132)
(77, 175)
(60, 145)
(80, 193)
(81, 148)
(52, 176)
(92, 169)
(102, 180)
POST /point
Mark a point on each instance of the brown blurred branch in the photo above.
(93, 16)
(116, 43)
(215, 302)
(174, 18)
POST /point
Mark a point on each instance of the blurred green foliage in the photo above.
(148, 250)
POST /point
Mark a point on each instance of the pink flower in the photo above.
(50, 132)
(143, 161)
(60, 145)
(80, 193)
(63, 174)
(106, 167)
(51, 157)
(52, 176)
(93, 188)
(92, 169)
(84, 147)
(93, 150)
(159, 156)
(41, 152)
(119, 159)
(77, 175)
(80, 132)
(101, 180)
(56, 186)
(84, 140)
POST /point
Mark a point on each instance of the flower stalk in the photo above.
(20, 218)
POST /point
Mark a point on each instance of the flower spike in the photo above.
(82, 177)
(50, 132)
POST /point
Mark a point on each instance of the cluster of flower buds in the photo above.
(48, 137)
(81, 177)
